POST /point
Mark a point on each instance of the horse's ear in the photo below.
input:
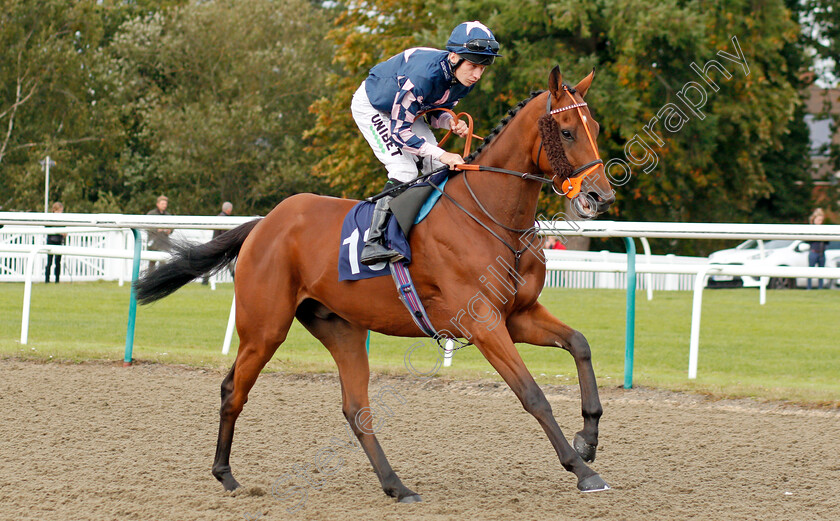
(584, 84)
(555, 80)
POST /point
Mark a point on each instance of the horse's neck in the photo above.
(508, 198)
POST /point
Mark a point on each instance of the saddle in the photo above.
(411, 206)
(415, 203)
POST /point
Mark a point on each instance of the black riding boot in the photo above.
(375, 250)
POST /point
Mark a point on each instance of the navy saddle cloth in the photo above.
(354, 231)
(409, 208)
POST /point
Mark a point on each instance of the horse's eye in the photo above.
(567, 134)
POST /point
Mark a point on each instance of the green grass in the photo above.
(788, 349)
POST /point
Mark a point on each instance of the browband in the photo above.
(567, 107)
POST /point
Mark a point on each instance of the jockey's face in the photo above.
(468, 73)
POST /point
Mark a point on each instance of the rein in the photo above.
(522, 175)
(469, 136)
(517, 254)
(571, 185)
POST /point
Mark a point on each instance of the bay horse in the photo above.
(287, 268)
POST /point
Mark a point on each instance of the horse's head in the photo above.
(568, 147)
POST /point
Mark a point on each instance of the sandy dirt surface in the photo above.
(102, 442)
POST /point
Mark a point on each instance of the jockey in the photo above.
(386, 105)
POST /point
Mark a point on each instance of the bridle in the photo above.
(571, 185)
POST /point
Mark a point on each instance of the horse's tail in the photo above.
(190, 261)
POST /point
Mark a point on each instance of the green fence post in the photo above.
(630, 327)
(132, 302)
(367, 343)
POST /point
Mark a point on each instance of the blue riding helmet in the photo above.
(474, 42)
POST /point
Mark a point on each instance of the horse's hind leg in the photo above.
(257, 345)
(221, 462)
(346, 343)
(536, 325)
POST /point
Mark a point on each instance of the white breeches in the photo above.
(375, 126)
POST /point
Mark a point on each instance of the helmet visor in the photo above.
(478, 59)
(482, 45)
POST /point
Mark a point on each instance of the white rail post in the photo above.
(448, 349)
(604, 279)
(762, 290)
(124, 264)
(230, 324)
(672, 282)
(648, 276)
(27, 296)
(694, 343)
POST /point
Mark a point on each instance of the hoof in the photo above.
(585, 450)
(227, 480)
(414, 498)
(593, 483)
(229, 483)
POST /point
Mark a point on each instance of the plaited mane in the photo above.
(549, 132)
(505, 120)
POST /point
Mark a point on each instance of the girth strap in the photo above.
(409, 297)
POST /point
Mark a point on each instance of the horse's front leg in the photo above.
(535, 325)
(498, 349)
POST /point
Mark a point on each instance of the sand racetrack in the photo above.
(98, 441)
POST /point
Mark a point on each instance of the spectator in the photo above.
(55, 239)
(159, 238)
(816, 253)
(227, 210)
(553, 243)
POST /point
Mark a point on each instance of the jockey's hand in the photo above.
(450, 159)
(459, 127)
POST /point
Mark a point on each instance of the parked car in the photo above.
(776, 253)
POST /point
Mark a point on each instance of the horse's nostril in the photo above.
(603, 199)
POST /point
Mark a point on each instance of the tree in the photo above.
(362, 38)
(788, 166)
(821, 39)
(52, 101)
(821, 35)
(43, 99)
(215, 98)
(711, 169)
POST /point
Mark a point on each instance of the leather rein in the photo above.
(571, 185)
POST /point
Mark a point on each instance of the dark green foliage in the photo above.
(744, 155)
(249, 101)
(204, 102)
